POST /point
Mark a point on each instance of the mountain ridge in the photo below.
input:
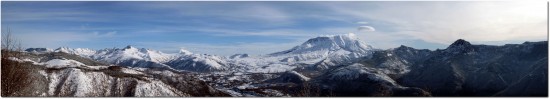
(332, 63)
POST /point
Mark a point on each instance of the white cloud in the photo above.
(109, 34)
(365, 29)
(254, 12)
(50, 39)
(17, 15)
(97, 34)
(362, 22)
(262, 13)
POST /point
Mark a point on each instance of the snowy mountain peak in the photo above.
(76, 51)
(403, 47)
(238, 56)
(348, 42)
(185, 52)
(460, 46)
(62, 49)
(461, 42)
(129, 47)
(144, 50)
(325, 51)
(349, 36)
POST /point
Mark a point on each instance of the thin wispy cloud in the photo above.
(362, 22)
(59, 39)
(108, 34)
(266, 27)
(365, 29)
(244, 12)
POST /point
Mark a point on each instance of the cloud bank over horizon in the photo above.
(226, 28)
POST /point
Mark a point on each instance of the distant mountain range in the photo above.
(338, 65)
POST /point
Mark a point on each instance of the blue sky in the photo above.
(225, 28)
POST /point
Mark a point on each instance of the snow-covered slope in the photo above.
(116, 55)
(76, 82)
(355, 71)
(77, 51)
(141, 57)
(62, 77)
(198, 62)
(57, 63)
(327, 44)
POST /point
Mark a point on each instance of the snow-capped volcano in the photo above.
(327, 50)
(332, 43)
(321, 52)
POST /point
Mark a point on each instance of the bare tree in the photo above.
(14, 76)
(9, 44)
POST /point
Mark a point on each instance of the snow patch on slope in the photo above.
(356, 71)
(154, 88)
(58, 63)
(300, 75)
